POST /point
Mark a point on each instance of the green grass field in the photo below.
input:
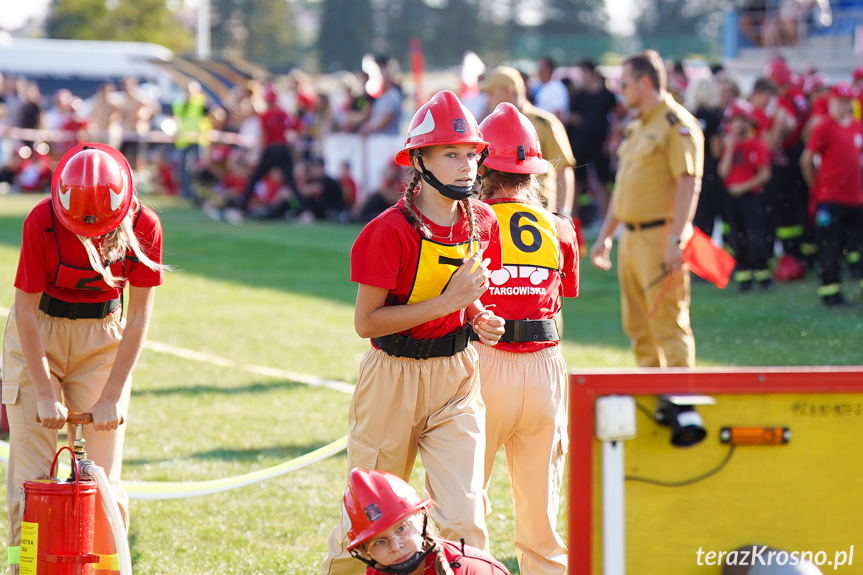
(278, 295)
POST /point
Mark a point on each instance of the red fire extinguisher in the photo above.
(58, 519)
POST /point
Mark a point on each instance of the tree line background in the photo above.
(330, 35)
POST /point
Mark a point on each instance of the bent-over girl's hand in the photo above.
(488, 327)
(52, 413)
(106, 415)
(468, 282)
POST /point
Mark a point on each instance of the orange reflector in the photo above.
(755, 435)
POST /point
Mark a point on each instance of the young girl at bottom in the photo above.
(421, 267)
(67, 346)
(388, 530)
(524, 377)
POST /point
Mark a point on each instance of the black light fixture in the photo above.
(678, 413)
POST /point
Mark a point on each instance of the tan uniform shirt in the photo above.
(555, 147)
(656, 150)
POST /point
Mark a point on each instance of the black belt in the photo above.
(74, 310)
(521, 330)
(406, 346)
(635, 227)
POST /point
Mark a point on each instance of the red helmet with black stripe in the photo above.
(91, 190)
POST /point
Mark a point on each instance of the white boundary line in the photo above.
(202, 357)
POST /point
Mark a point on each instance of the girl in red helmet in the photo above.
(67, 346)
(388, 529)
(421, 267)
(745, 170)
(524, 377)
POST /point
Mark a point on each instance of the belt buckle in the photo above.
(518, 330)
(460, 339)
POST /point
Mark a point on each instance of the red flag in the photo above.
(707, 260)
(418, 65)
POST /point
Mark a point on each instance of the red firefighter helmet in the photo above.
(778, 72)
(375, 501)
(513, 145)
(842, 90)
(270, 94)
(815, 82)
(761, 120)
(740, 108)
(91, 190)
(441, 120)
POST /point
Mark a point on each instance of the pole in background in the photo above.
(203, 35)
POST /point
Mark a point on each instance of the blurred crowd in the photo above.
(260, 149)
(260, 152)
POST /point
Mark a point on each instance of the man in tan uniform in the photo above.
(658, 181)
(505, 84)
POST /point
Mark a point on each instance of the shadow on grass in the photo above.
(276, 452)
(213, 390)
(134, 553)
(312, 260)
(786, 326)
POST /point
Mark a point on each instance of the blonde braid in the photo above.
(410, 194)
(113, 248)
(472, 221)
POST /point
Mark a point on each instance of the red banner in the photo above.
(707, 260)
(418, 65)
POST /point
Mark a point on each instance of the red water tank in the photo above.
(57, 526)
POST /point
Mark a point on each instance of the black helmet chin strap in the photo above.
(405, 567)
(457, 193)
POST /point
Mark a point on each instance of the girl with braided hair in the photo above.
(388, 529)
(421, 267)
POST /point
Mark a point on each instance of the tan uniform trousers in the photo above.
(525, 396)
(665, 338)
(434, 405)
(80, 354)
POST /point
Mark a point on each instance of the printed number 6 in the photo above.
(515, 232)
